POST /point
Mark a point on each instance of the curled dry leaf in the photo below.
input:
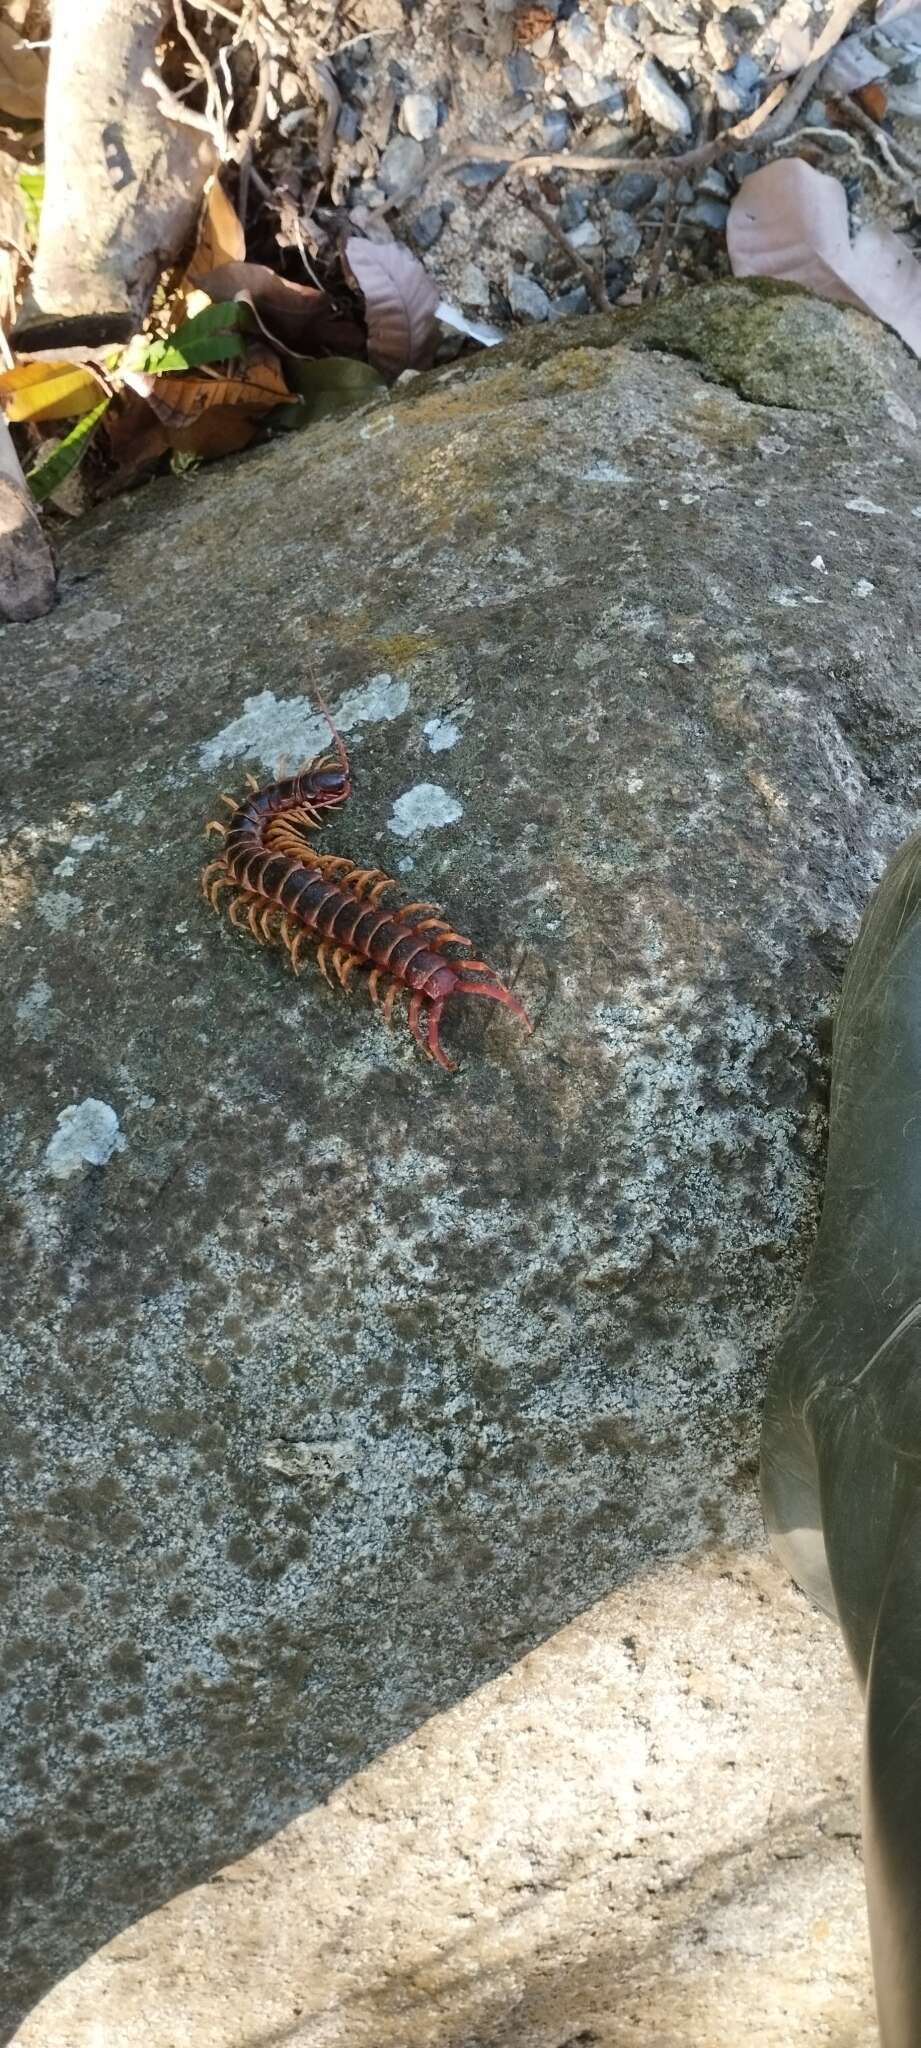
(789, 221)
(298, 319)
(400, 300)
(220, 238)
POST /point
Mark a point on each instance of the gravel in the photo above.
(528, 77)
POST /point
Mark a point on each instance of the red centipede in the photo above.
(285, 892)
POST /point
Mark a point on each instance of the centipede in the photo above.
(278, 887)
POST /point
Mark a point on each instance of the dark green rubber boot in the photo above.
(841, 1441)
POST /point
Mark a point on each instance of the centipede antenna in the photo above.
(337, 739)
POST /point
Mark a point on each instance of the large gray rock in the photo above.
(337, 1385)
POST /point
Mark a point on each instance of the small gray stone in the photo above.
(660, 101)
(728, 95)
(678, 15)
(621, 51)
(709, 213)
(678, 52)
(633, 190)
(401, 167)
(583, 88)
(574, 207)
(477, 174)
(348, 125)
(614, 105)
(581, 39)
(557, 128)
(585, 235)
(713, 183)
(522, 73)
(526, 297)
(419, 115)
(473, 286)
(722, 41)
(748, 72)
(570, 303)
(426, 226)
(623, 237)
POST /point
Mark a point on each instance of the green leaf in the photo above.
(32, 186)
(216, 335)
(330, 385)
(47, 475)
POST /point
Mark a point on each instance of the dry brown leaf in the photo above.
(874, 99)
(221, 238)
(254, 385)
(223, 431)
(400, 300)
(790, 221)
(132, 438)
(298, 319)
(22, 76)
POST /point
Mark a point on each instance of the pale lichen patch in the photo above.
(423, 809)
(87, 1135)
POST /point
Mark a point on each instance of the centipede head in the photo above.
(330, 773)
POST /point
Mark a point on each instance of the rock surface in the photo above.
(379, 1512)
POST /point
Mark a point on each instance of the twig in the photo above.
(662, 166)
(214, 7)
(660, 246)
(592, 277)
(168, 103)
(322, 76)
(215, 108)
(840, 135)
(243, 146)
(890, 146)
(839, 19)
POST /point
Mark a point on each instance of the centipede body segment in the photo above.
(279, 888)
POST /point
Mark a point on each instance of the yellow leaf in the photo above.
(49, 391)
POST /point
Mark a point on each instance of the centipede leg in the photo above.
(254, 920)
(433, 1042)
(389, 1000)
(214, 825)
(237, 909)
(373, 983)
(301, 938)
(321, 962)
(340, 958)
(414, 1020)
(443, 934)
